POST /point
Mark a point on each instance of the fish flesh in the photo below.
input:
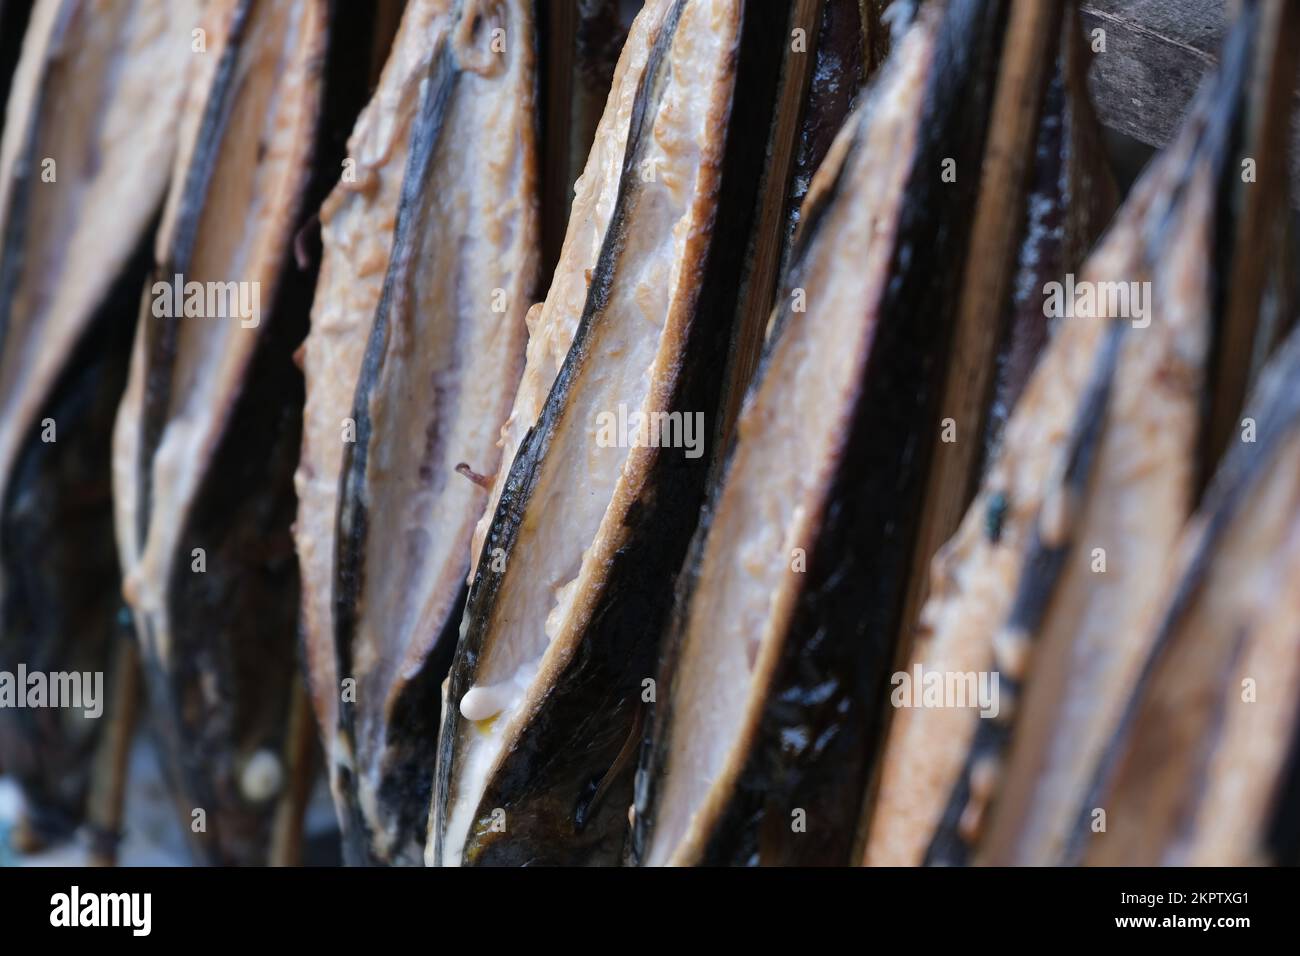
(1042, 585)
(588, 524)
(439, 371)
(1203, 767)
(765, 721)
(1087, 656)
(357, 222)
(91, 120)
(209, 429)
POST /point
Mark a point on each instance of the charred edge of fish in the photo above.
(957, 834)
(864, 536)
(243, 510)
(351, 77)
(1276, 410)
(824, 95)
(653, 742)
(1070, 199)
(160, 335)
(839, 69)
(352, 520)
(523, 472)
(954, 841)
(56, 544)
(248, 595)
(410, 759)
(575, 769)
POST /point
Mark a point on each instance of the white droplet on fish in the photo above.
(480, 703)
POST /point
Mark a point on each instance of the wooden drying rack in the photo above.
(1156, 53)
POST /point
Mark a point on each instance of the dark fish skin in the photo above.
(1071, 197)
(13, 24)
(408, 786)
(824, 94)
(582, 40)
(234, 627)
(1282, 838)
(548, 783)
(388, 730)
(817, 735)
(60, 566)
(160, 337)
(839, 70)
(1045, 195)
(502, 534)
(598, 39)
(248, 597)
(60, 581)
(447, 206)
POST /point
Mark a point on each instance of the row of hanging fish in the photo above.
(80, 197)
(1052, 581)
(598, 424)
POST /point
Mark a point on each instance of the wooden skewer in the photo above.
(113, 755)
(300, 758)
